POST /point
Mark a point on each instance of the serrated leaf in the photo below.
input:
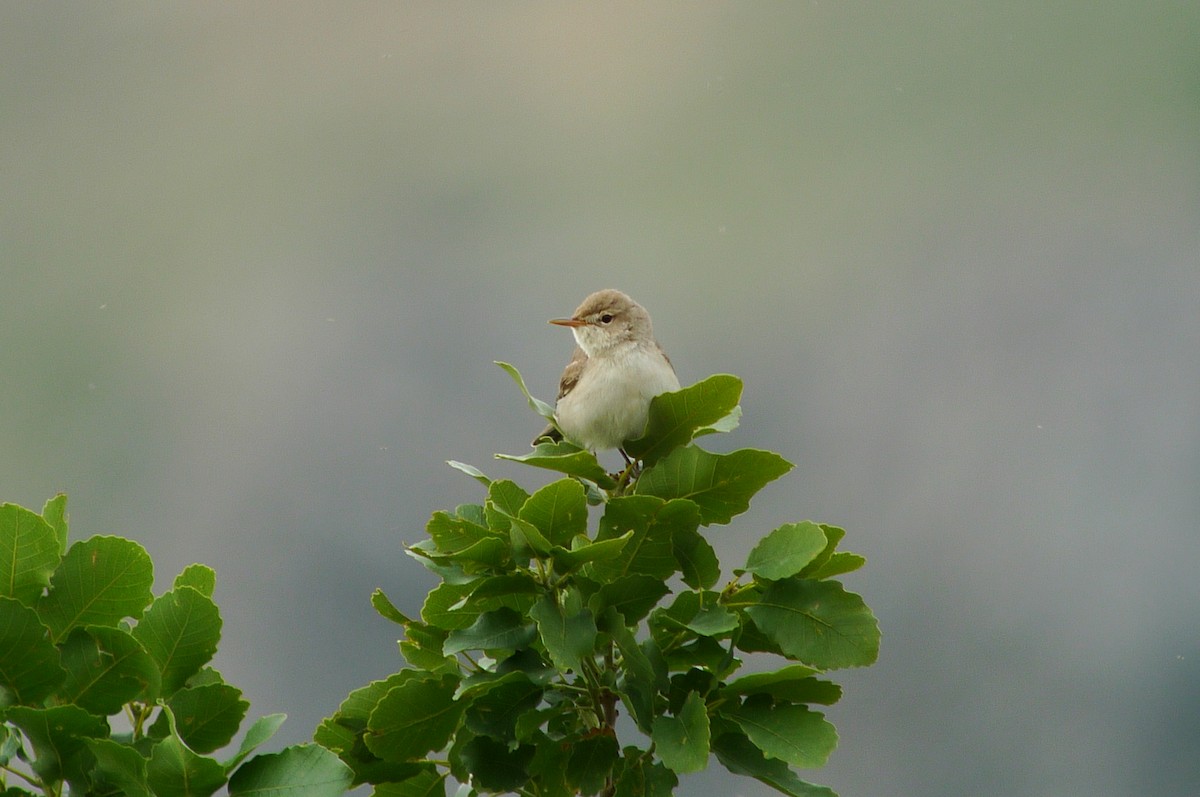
(558, 510)
(180, 631)
(305, 770)
(682, 741)
(29, 661)
(121, 765)
(792, 733)
(100, 581)
(675, 418)
(54, 512)
(201, 578)
(739, 755)
(472, 471)
(499, 629)
(721, 485)
(106, 668)
(537, 405)
(567, 638)
(566, 458)
(29, 552)
(786, 551)
(817, 623)
(413, 719)
(387, 610)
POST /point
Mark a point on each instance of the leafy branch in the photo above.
(593, 598)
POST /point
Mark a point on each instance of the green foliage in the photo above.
(82, 638)
(544, 631)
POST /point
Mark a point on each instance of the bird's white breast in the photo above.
(609, 404)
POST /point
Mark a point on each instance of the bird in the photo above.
(616, 369)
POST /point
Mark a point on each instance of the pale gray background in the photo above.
(257, 260)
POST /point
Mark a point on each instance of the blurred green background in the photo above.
(257, 260)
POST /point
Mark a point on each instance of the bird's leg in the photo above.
(633, 469)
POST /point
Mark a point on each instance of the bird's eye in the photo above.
(606, 318)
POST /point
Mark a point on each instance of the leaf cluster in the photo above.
(83, 639)
(545, 629)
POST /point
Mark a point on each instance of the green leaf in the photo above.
(817, 623)
(55, 513)
(645, 777)
(175, 769)
(499, 629)
(558, 510)
(305, 770)
(29, 552)
(472, 471)
(726, 424)
(794, 684)
(504, 501)
(426, 783)
(180, 631)
(675, 418)
(443, 607)
(413, 719)
(682, 741)
(121, 765)
(567, 561)
(639, 682)
(592, 759)
(387, 610)
(452, 534)
(29, 661)
(697, 560)
(633, 596)
(566, 458)
(59, 735)
(538, 406)
(106, 668)
(833, 535)
(837, 564)
(494, 712)
(720, 484)
(100, 581)
(786, 550)
(653, 523)
(495, 767)
(568, 638)
(207, 717)
(739, 755)
(792, 733)
(259, 733)
(201, 578)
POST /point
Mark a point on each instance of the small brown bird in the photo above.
(604, 393)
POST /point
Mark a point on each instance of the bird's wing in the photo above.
(570, 375)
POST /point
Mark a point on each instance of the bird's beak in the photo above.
(568, 322)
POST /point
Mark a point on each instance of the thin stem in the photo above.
(32, 781)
